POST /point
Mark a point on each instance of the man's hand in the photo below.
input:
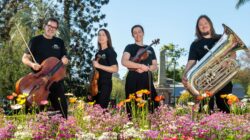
(36, 66)
(65, 60)
(185, 81)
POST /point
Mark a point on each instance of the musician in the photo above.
(140, 74)
(206, 39)
(45, 46)
(106, 65)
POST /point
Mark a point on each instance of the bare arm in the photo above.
(189, 65)
(154, 66)
(111, 69)
(27, 60)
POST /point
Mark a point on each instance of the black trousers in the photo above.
(137, 81)
(220, 102)
(58, 99)
(104, 92)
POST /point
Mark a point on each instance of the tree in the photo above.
(173, 53)
(82, 20)
(243, 76)
(79, 22)
(240, 3)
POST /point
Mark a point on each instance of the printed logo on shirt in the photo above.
(56, 47)
(103, 56)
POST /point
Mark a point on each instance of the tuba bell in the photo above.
(217, 67)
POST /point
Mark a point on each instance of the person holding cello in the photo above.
(105, 63)
(139, 75)
(42, 47)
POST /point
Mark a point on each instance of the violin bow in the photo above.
(25, 43)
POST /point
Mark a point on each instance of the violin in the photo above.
(142, 53)
(37, 85)
(93, 88)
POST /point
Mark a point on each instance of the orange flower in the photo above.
(138, 99)
(14, 94)
(10, 97)
(158, 98)
(120, 104)
(140, 104)
(199, 98)
(127, 100)
(209, 94)
(147, 92)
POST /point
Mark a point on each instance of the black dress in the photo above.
(105, 78)
(136, 81)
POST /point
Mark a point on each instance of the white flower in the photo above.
(86, 118)
(191, 103)
(68, 94)
(108, 136)
(15, 107)
(244, 100)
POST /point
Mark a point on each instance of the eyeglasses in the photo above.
(52, 27)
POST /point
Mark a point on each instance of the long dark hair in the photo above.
(198, 33)
(108, 36)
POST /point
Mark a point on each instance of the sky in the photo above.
(172, 21)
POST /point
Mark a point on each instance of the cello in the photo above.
(36, 85)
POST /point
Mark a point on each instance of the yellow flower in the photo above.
(91, 103)
(21, 96)
(72, 99)
(223, 96)
(139, 94)
(131, 96)
(21, 101)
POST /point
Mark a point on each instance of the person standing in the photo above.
(45, 46)
(106, 65)
(206, 39)
(139, 75)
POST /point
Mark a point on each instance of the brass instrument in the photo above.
(217, 67)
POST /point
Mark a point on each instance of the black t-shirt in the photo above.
(43, 48)
(198, 47)
(132, 49)
(108, 58)
(198, 50)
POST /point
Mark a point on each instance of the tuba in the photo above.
(217, 67)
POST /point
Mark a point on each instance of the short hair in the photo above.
(135, 26)
(52, 19)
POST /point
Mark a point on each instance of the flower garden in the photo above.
(90, 122)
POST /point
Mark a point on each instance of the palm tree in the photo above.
(240, 3)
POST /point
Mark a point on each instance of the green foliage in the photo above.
(173, 53)
(118, 91)
(11, 67)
